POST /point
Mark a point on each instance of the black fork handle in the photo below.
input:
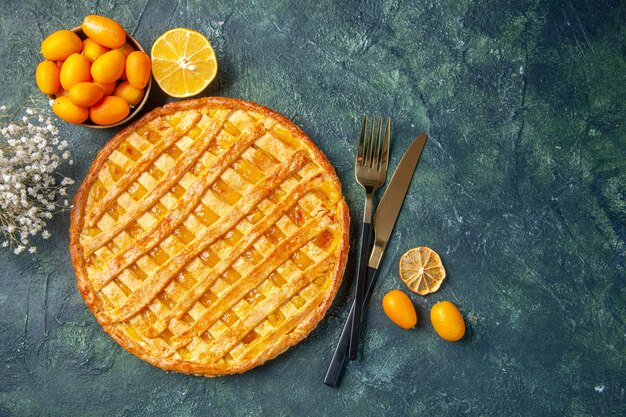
(366, 237)
(336, 363)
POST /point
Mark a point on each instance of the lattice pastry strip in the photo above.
(242, 247)
(209, 236)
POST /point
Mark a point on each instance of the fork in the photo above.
(370, 170)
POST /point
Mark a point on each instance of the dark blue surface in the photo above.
(521, 190)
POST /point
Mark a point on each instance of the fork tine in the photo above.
(368, 156)
(385, 148)
(378, 145)
(360, 156)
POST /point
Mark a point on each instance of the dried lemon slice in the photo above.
(421, 270)
(183, 62)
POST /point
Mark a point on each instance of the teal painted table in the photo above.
(522, 190)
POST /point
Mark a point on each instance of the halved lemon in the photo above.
(421, 270)
(183, 62)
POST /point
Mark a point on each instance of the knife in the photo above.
(384, 221)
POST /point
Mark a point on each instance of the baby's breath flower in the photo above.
(31, 188)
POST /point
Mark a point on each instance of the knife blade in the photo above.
(391, 202)
(384, 221)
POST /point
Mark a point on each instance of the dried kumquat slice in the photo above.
(421, 270)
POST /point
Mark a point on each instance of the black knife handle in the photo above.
(336, 363)
(366, 237)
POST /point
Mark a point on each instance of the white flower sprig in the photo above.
(31, 188)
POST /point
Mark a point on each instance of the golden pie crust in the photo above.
(209, 236)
